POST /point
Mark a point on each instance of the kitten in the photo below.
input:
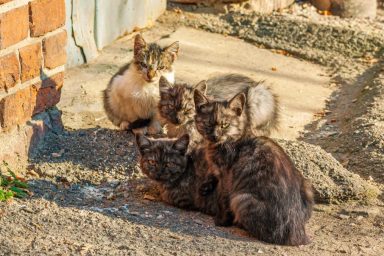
(253, 112)
(257, 184)
(132, 95)
(179, 175)
(177, 106)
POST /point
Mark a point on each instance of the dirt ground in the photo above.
(90, 198)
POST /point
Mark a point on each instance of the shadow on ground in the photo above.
(350, 129)
(135, 201)
(95, 170)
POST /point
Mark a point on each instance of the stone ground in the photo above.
(90, 197)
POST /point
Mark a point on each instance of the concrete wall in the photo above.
(96, 23)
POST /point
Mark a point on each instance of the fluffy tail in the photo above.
(267, 221)
(263, 110)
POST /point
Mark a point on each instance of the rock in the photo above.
(331, 181)
(33, 173)
(343, 216)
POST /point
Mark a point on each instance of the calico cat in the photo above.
(257, 184)
(179, 175)
(177, 105)
(132, 95)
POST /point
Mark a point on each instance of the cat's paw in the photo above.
(224, 220)
(142, 131)
(155, 128)
(124, 125)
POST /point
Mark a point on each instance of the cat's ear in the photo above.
(142, 142)
(202, 86)
(181, 144)
(139, 45)
(173, 50)
(164, 85)
(237, 103)
(199, 99)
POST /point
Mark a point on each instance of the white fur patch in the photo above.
(261, 104)
(131, 97)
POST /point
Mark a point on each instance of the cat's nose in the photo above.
(151, 74)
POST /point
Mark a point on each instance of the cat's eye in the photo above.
(151, 162)
(171, 106)
(161, 67)
(224, 125)
(142, 64)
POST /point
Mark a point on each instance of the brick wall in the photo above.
(32, 59)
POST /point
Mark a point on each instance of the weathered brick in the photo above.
(46, 16)
(30, 60)
(47, 93)
(15, 109)
(14, 26)
(9, 71)
(54, 50)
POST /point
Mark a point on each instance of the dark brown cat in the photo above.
(179, 175)
(259, 188)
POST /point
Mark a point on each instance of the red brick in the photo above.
(9, 71)
(14, 26)
(47, 94)
(30, 60)
(54, 50)
(46, 16)
(15, 109)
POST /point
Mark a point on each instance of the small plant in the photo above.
(11, 186)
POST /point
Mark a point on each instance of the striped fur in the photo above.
(252, 112)
(260, 189)
(179, 175)
(133, 92)
(177, 105)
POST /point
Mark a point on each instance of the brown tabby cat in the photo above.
(132, 95)
(177, 106)
(258, 186)
(179, 175)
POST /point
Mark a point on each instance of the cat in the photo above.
(132, 95)
(179, 175)
(177, 107)
(258, 186)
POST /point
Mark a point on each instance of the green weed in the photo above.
(11, 186)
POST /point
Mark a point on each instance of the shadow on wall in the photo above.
(46, 117)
